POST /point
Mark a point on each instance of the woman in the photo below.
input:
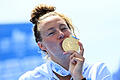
(50, 29)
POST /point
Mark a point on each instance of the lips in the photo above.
(61, 45)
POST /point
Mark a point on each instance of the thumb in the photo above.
(81, 49)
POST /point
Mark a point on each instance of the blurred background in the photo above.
(97, 25)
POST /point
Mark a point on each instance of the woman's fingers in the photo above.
(79, 59)
(70, 52)
(81, 48)
(76, 58)
(76, 65)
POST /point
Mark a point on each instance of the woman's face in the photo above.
(53, 31)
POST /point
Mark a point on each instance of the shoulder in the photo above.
(93, 67)
(38, 72)
(99, 67)
(98, 71)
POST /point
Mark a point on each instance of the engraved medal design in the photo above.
(71, 43)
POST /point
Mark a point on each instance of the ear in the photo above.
(41, 46)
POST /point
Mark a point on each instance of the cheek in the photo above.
(50, 43)
(68, 33)
(52, 46)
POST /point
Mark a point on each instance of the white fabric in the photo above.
(96, 71)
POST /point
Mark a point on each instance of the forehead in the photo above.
(51, 21)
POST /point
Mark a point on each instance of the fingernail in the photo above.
(64, 52)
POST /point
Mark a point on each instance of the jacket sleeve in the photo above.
(25, 76)
(30, 75)
(103, 73)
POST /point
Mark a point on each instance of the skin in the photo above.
(53, 31)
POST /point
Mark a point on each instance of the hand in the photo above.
(76, 63)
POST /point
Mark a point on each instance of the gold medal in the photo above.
(71, 43)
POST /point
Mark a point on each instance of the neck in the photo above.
(62, 77)
(64, 64)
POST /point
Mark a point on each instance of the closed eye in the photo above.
(51, 33)
(64, 28)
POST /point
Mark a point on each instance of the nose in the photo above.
(61, 35)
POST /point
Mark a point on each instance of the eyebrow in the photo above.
(62, 25)
(50, 28)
